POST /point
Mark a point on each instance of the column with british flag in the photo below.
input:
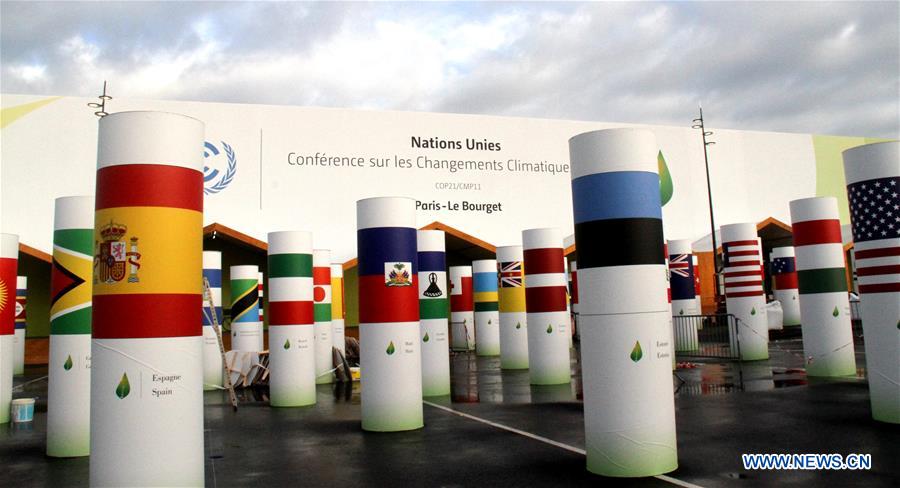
(784, 270)
(487, 312)
(390, 348)
(545, 303)
(462, 309)
(624, 313)
(9, 261)
(681, 280)
(822, 280)
(873, 189)
(21, 322)
(744, 295)
(322, 311)
(147, 349)
(511, 301)
(292, 333)
(434, 312)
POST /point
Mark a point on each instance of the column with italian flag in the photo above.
(69, 362)
(390, 351)
(245, 327)
(873, 190)
(624, 311)
(292, 334)
(462, 309)
(744, 291)
(487, 314)
(511, 301)
(9, 260)
(821, 276)
(434, 309)
(147, 350)
(337, 307)
(322, 313)
(212, 356)
(784, 270)
(545, 301)
(21, 322)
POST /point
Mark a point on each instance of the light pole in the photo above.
(698, 124)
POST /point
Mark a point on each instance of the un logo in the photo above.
(219, 169)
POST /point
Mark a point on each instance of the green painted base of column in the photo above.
(510, 364)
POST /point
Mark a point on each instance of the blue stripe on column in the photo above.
(432, 261)
(484, 282)
(616, 195)
(214, 276)
(379, 245)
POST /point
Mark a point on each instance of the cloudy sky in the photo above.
(818, 67)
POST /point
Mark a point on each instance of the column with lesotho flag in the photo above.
(434, 310)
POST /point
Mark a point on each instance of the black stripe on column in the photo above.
(619, 242)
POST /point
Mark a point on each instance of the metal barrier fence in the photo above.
(707, 336)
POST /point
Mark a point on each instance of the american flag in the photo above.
(680, 265)
(743, 274)
(511, 274)
(875, 216)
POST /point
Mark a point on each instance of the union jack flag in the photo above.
(510, 274)
(680, 265)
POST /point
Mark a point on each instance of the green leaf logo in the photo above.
(68, 364)
(835, 313)
(666, 187)
(287, 344)
(681, 312)
(636, 352)
(489, 321)
(549, 328)
(753, 311)
(124, 387)
(518, 325)
(426, 338)
(391, 349)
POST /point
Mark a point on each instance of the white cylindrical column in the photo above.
(337, 307)
(322, 311)
(21, 323)
(513, 323)
(784, 270)
(245, 327)
(744, 296)
(433, 310)
(462, 309)
(684, 302)
(487, 314)
(9, 260)
(260, 295)
(212, 355)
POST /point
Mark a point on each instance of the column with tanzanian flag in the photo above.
(147, 350)
(21, 323)
(434, 309)
(821, 276)
(487, 311)
(511, 304)
(69, 362)
(292, 335)
(322, 312)
(9, 260)
(337, 307)
(245, 326)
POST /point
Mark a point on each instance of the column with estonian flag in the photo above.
(873, 190)
(69, 363)
(245, 327)
(681, 279)
(821, 276)
(212, 356)
(147, 350)
(390, 351)
(462, 309)
(511, 301)
(322, 311)
(9, 261)
(623, 304)
(744, 296)
(545, 302)
(487, 314)
(337, 307)
(21, 322)
(784, 270)
(434, 309)
(292, 333)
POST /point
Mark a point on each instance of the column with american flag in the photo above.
(681, 280)
(822, 282)
(873, 190)
(462, 309)
(744, 296)
(545, 302)
(784, 270)
(624, 313)
(511, 301)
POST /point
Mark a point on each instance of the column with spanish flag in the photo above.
(487, 311)
(511, 301)
(784, 270)
(545, 301)
(21, 322)
(245, 326)
(462, 309)
(623, 304)
(147, 349)
(212, 356)
(390, 350)
(434, 309)
(821, 277)
(873, 190)
(322, 313)
(69, 363)
(292, 333)
(744, 291)
(337, 307)
(9, 261)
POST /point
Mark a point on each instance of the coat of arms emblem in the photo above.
(397, 274)
(113, 258)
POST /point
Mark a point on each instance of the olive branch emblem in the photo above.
(230, 171)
